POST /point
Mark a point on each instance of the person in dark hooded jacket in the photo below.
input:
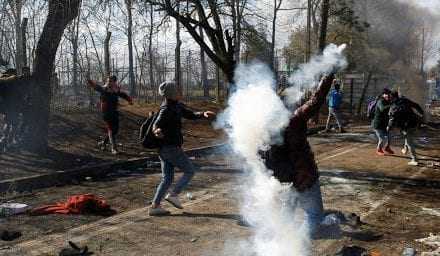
(294, 161)
(403, 117)
(168, 128)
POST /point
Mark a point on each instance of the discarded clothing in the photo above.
(7, 235)
(75, 251)
(77, 204)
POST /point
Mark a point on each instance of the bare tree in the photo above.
(17, 6)
(61, 13)
(276, 7)
(221, 44)
(325, 8)
(131, 77)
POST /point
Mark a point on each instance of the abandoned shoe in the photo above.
(413, 163)
(389, 150)
(380, 152)
(158, 211)
(174, 200)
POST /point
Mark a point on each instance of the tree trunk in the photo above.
(23, 41)
(364, 92)
(17, 6)
(177, 65)
(322, 36)
(107, 68)
(204, 73)
(274, 20)
(131, 77)
(75, 41)
(324, 22)
(61, 13)
(150, 53)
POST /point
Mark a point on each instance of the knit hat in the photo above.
(386, 91)
(168, 89)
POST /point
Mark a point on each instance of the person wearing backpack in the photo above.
(402, 116)
(110, 94)
(334, 104)
(168, 127)
(380, 123)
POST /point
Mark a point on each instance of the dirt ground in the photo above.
(74, 136)
(397, 204)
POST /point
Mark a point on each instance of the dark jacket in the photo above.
(169, 120)
(294, 161)
(110, 99)
(380, 120)
(401, 114)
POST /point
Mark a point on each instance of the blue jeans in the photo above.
(310, 201)
(383, 138)
(170, 157)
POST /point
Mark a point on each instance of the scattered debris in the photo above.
(432, 241)
(190, 196)
(352, 251)
(331, 219)
(75, 251)
(7, 235)
(8, 209)
(194, 239)
(434, 212)
(409, 252)
(88, 178)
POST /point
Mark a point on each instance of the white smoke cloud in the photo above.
(254, 120)
(309, 73)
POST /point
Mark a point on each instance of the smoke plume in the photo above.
(254, 120)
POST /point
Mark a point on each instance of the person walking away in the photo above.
(406, 115)
(168, 127)
(380, 123)
(334, 104)
(110, 94)
(293, 162)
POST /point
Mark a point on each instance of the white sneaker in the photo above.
(174, 200)
(413, 163)
(404, 150)
(158, 211)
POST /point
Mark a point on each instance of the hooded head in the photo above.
(169, 90)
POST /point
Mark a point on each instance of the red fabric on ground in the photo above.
(77, 204)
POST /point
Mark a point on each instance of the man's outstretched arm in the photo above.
(312, 106)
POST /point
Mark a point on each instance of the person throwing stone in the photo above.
(168, 127)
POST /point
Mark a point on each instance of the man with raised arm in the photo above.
(110, 93)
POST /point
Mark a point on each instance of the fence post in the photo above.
(351, 95)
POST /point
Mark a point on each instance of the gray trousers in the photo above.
(333, 112)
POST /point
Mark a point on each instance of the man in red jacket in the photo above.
(294, 161)
(110, 94)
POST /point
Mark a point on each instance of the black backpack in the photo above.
(146, 135)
